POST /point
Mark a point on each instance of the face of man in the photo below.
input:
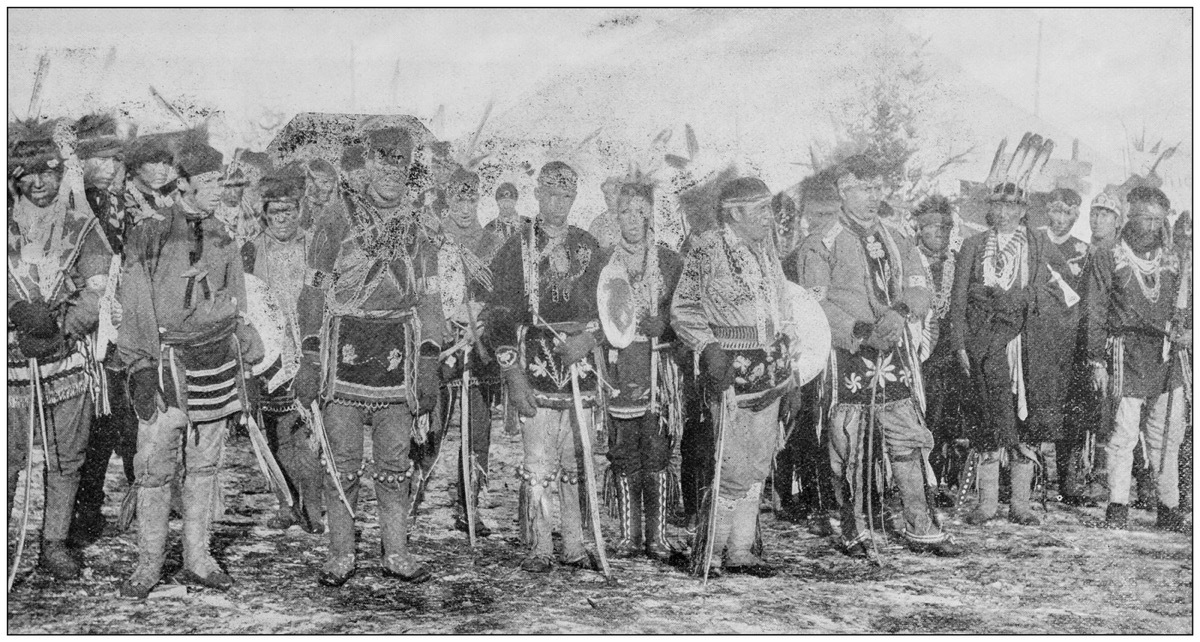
(821, 213)
(632, 214)
(1103, 222)
(1146, 219)
(155, 175)
(387, 171)
(753, 222)
(283, 219)
(935, 236)
(1005, 217)
(508, 207)
(555, 198)
(231, 195)
(203, 191)
(104, 173)
(318, 187)
(1062, 217)
(41, 188)
(861, 197)
(463, 211)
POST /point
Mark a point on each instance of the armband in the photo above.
(862, 329)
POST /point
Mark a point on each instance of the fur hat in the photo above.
(558, 174)
(154, 148)
(391, 139)
(934, 210)
(285, 184)
(743, 191)
(196, 156)
(463, 184)
(31, 147)
(102, 136)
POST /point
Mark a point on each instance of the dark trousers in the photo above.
(695, 446)
(641, 445)
(805, 458)
(112, 433)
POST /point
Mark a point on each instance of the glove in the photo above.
(652, 326)
(576, 347)
(33, 317)
(428, 382)
(717, 368)
(307, 383)
(887, 331)
(39, 347)
(143, 388)
(790, 405)
(81, 318)
(520, 393)
(449, 367)
(253, 351)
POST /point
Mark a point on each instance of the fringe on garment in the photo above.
(610, 493)
(673, 497)
(128, 509)
(700, 539)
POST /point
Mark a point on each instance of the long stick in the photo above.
(465, 435)
(714, 488)
(12, 574)
(590, 479)
(318, 426)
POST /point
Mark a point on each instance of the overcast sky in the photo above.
(1100, 67)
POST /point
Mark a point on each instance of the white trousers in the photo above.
(1163, 438)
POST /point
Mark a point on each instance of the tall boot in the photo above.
(741, 558)
(626, 509)
(574, 551)
(339, 566)
(60, 505)
(725, 518)
(199, 567)
(654, 496)
(153, 512)
(920, 532)
(989, 492)
(394, 502)
(1019, 511)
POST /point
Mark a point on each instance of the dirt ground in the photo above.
(1064, 577)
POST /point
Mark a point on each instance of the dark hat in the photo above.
(821, 186)
(506, 190)
(196, 156)
(31, 147)
(861, 167)
(391, 139)
(99, 137)
(1065, 195)
(558, 174)
(463, 184)
(285, 184)
(743, 191)
(934, 210)
(1007, 193)
(153, 148)
(1148, 194)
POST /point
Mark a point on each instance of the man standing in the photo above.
(508, 222)
(114, 428)
(604, 227)
(642, 448)
(1008, 287)
(186, 349)
(465, 280)
(1133, 303)
(320, 185)
(934, 220)
(371, 325)
(729, 307)
(871, 284)
(542, 318)
(57, 270)
(279, 258)
(1062, 329)
(151, 184)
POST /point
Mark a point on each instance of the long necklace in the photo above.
(1146, 270)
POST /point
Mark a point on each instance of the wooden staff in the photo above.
(715, 487)
(12, 574)
(593, 506)
(318, 425)
(465, 434)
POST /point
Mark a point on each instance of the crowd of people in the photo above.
(161, 295)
